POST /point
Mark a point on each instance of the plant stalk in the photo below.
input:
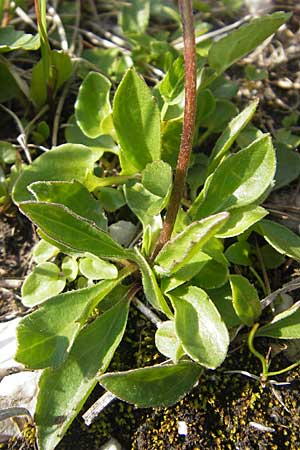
(190, 104)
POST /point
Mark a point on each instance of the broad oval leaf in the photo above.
(280, 237)
(245, 300)
(43, 282)
(211, 276)
(239, 253)
(43, 251)
(64, 226)
(64, 163)
(199, 326)
(69, 266)
(92, 105)
(167, 342)
(155, 386)
(137, 122)
(63, 391)
(97, 269)
(285, 325)
(179, 250)
(231, 48)
(46, 335)
(239, 180)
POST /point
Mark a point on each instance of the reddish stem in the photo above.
(186, 11)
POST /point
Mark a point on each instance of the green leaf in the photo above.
(223, 112)
(167, 341)
(230, 134)
(97, 269)
(64, 163)
(271, 258)
(222, 298)
(73, 195)
(63, 391)
(239, 253)
(211, 276)
(238, 43)
(186, 273)
(69, 266)
(288, 165)
(62, 69)
(8, 153)
(239, 180)
(171, 87)
(199, 326)
(66, 227)
(101, 144)
(43, 251)
(11, 39)
(111, 199)
(245, 300)
(92, 105)
(151, 289)
(46, 335)
(240, 220)
(285, 325)
(154, 386)
(43, 282)
(135, 16)
(280, 238)
(157, 178)
(137, 122)
(142, 202)
(179, 250)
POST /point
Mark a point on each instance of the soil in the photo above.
(225, 411)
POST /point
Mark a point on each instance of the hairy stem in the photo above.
(188, 124)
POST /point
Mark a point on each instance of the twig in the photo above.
(146, 311)
(58, 112)
(93, 412)
(60, 28)
(288, 287)
(7, 413)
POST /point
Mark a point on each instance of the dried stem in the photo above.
(188, 124)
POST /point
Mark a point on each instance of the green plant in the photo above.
(175, 262)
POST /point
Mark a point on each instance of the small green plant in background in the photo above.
(175, 253)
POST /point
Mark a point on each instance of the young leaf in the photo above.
(171, 87)
(245, 300)
(69, 267)
(167, 341)
(152, 291)
(280, 237)
(63, 391)
(43, 251)
(240, 220)
(157, 178)
(137, 123)
(135, 16)
(179, 250)
(64, 226)
(239, 180)
(92, 105)
(73, 195)
(97, 269)
(238, 43)
(199, 326)
(154, 386)
(11, 39)
(43, 282)
(46, 335)
(230, 134)
(222, 298)
(64, 163)
(285, 325)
